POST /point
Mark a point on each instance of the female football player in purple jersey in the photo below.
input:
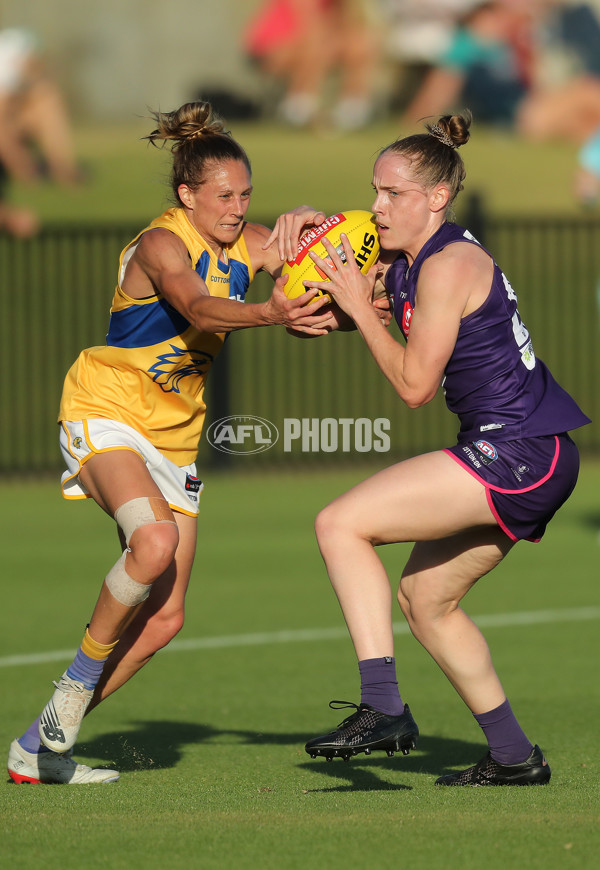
(464, 507)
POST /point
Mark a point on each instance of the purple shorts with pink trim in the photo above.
(526, 480)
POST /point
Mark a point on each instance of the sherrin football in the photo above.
(361, 230)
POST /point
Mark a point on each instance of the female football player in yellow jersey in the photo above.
(132, 412)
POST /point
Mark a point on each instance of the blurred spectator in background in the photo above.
(498, 61)
(304, 44)
(15, 220)
(587, 177)
(35, 132)
(568, 38)
(417, 32)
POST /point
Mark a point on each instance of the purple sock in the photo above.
(30, 741)
(86, 670)
(508, 744)
(379, 686)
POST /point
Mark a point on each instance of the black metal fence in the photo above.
(322, 397)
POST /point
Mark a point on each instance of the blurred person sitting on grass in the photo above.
(493, 63)
(36, 140)
(18, 221)
(132, 413)
(303, 44)
(464, 506)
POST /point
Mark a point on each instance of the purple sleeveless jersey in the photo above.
(493, 381)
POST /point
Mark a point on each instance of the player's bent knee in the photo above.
(124, 588)
(337, 525)
(321, 521)
(413, 603)
(326, 524)
(153, 548)
(422, 607)
(139, 512)
(403, 601)
(151, 534)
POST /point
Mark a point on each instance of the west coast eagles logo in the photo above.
(170, 368)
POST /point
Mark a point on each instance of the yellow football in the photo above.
(361, 230)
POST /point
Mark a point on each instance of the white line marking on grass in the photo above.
(301, 635)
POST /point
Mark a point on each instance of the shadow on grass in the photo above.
(355, 775)
(591, 519)
(433, 757)
(159, 745)
(153, 745)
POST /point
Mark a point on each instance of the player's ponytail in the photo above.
(434, 154)
(184, 124)
(197, 138)
(451, 130)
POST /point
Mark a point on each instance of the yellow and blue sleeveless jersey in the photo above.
(152, 371)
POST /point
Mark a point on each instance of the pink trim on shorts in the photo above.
(501, 489)
(488, 496)
(488, 487)
(497, 516)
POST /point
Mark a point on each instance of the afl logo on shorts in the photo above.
(487, 449)
(193, 488)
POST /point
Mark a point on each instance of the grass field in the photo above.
(209, 738)
(128, 178)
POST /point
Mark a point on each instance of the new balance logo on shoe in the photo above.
(51, 732)
(62, 716)
(49, 725)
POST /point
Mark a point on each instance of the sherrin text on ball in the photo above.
(361, 230)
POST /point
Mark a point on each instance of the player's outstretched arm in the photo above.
(161, 264)
(290, 226)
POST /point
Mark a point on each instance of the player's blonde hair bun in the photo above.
(189, 122)
(198, 140)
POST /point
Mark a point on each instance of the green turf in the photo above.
(128, 178)
(209, 742)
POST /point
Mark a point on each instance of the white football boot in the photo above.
(52, 768)
(63, 714)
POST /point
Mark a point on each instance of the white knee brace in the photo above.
(142, 512)
(123, 587)
(130, 516)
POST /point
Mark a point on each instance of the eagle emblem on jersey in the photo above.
(171, 368)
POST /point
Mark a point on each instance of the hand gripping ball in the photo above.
(361, 230)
